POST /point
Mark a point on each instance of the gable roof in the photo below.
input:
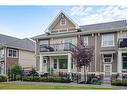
(105, 26)
(12, 42)
(88, 29)
(58, 17)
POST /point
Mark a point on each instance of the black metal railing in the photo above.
(57, 47)
(122, 43)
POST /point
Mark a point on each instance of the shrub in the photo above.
(46, 79)
(93, 79)
(3, 78)
(119, 82)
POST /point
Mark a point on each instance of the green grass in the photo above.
(41, 86)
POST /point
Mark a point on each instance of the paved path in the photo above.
(70, 84)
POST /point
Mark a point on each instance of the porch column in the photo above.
(69, 62)
(41, 63)
(119, 64)
(50, 65)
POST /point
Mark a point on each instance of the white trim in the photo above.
(41, 58)
(108, 57)
(122, 62)
(110, 68)
(85, 41)
(5, 51)
(107, 45)
(95, 50)
(61, 12)
(12, 53)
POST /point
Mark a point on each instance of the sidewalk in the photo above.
(71, 84)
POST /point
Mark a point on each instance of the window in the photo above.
(107, 40)
(12, 53)
(124, 59)
(62, 63)
(85, 41)
(63, 22)
(107, 58)
(67, 44)
(55, 63)
(1, 53)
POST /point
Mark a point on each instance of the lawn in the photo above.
(41, 86)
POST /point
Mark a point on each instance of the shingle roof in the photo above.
(105, 26)
(92, 28)
(25, 44)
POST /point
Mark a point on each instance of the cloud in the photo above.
(98, 14)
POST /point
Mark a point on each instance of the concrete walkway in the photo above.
(70, 84)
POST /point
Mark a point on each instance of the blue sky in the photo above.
(29, 21)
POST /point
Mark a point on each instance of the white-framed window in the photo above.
(67, 43)
(1, 53)
(63, 22)
(107, 40)
(124, 61)
(85, 41)
(107, 58)
(12, 53)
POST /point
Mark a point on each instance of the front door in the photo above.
(107, 71)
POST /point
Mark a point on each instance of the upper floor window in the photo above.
(63, 22)
(107, 58)
(2, 53)
(12, 53)
(85, 41)
(107, 40)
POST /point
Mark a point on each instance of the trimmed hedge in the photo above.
(3, 78)
(119, 82)
(46, 79)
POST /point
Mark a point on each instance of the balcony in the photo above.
(57, 47)
(122, 43)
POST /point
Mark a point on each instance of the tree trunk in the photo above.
(84, 74)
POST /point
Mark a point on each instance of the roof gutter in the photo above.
(78, 33)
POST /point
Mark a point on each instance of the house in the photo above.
(109, 41)
(16, 51)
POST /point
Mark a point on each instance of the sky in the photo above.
(29, 21)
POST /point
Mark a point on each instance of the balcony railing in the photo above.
(122, 43)
(57, 47)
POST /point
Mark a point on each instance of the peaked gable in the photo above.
(62, 18)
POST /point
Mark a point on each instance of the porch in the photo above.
(56, 62)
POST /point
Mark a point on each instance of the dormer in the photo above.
(62, 23)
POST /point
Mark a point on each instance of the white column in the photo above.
(119, 64)
(50, 63)
(69, 62)
(41, 63)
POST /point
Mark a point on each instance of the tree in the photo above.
(83, 57)
(16, 70)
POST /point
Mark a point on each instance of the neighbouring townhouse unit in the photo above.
(109, 41)
(16, 51)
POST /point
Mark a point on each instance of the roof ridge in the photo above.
(103, 23)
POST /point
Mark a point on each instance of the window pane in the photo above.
(124, 62)
(107, 55)
(55, 63)
(85, 41)
(63, 21)
(107, 40)
(62, 63)
(10, 52)
(14, 53)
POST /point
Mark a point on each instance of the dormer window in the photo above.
(63, 22)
